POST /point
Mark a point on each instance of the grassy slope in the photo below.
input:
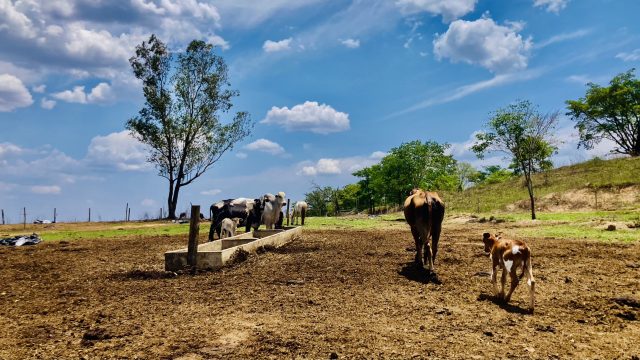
(595, 173)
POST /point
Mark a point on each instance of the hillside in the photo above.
(593, 185)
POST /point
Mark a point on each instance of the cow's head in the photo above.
(280, 198)
(488, 240)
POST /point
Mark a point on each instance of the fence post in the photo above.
(129, 214)
(194, 231)
(126, 212)
(288, 211)
(55, 214)
(2, 216)
(89, 215)
(24, 217)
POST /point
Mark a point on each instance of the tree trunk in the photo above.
(173, 203)
(170, 204)
(530, 188)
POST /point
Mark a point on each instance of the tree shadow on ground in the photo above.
(418, 274)
(514, 309)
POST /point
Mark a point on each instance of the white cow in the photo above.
(272, 207)
(299, 210)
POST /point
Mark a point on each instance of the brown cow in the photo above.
(424, 212)
(509, 255)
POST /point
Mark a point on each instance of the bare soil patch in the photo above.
(345, 293)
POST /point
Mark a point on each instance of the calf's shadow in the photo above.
(514, 309)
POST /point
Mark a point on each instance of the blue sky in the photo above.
(331, 85)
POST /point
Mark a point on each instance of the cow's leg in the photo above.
(514, 284)
(494, 280)
(503, 281)
(435, 238)
(419, 246)
(428, 257)
(212, 229)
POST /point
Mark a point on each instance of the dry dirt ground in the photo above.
(345, 293)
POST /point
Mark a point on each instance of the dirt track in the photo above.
(352, 293)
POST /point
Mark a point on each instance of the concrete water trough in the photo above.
(215, 254)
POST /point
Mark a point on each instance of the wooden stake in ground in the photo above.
(194, 231)
(2, 216)
(288, 211)
(24, 212)
(55, 214)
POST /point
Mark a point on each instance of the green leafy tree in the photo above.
(319, 199)
(367, 192)
(493, 174)
(180, 121)
(610, 112)
(350, 197)
(413, 164)
(466, 175)
(523, 134)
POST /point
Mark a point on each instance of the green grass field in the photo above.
(567, 225)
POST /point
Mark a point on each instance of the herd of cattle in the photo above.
(423, 211)
(226, 215)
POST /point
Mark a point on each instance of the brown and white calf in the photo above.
(510, 255)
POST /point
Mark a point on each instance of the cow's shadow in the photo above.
(418, 274)
(514, 309)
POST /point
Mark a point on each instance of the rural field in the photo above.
(347, 288)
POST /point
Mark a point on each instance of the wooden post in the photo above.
(160, 218)
(24, 218)
(89, 215)
(288, 211)
(194, 231)
(2, 216)
(55, 214)
(126, 212)
(129, 214)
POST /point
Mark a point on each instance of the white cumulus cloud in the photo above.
(338, 166)
(101, 93)
(120, 150)
(449, 9)
(553, 6)
(310, 116)
(46, 189)
(351, 43)
(275, 46)
(211, 192)
(47, 104)
(13, 93)
(266, 146)
(9, 148)
(495, 47)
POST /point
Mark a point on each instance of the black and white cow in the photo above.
(249, 211)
